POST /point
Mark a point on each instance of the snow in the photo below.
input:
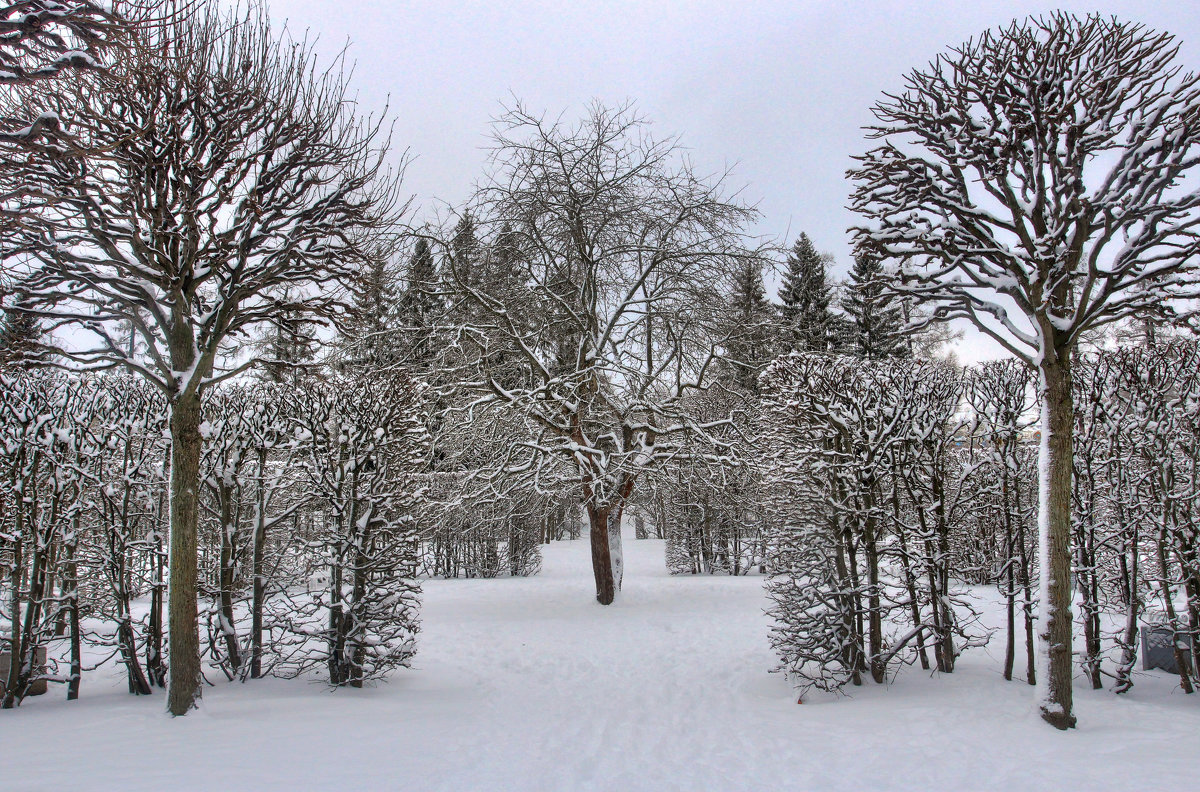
(528, 684)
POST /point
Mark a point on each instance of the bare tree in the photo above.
(231, 167)
(598, 301)
(1031, 181)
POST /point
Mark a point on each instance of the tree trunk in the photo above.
(226, 575)
(71, 595)
(258, 598)
(1010, 643)
(602, 568)
(154, 628)
(1054, 545)
(183, 641)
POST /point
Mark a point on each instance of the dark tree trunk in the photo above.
(183, 641)
(227, 573)
(1010, 582)
(606, 589)
(71, 595)
(258, 597)
(874, 601)
(1056, 620)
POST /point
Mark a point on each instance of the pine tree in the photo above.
(462, 269)
(876, 320)
(370, 341)
(806, 297)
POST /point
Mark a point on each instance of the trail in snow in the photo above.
(528, 684)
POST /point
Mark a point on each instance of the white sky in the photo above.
(780, 89)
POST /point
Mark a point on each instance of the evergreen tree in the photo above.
(876, 320)
(420, 305)
(20, 334)
(370, 340)
(806, 297)
(288, 344)
(752, 343)
(462, 269)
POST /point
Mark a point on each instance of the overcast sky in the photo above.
(780, 89)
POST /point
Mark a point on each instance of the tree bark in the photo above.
(258, 600)
(602, 569)
(227, 572)
(183, 642)
(1055, 470)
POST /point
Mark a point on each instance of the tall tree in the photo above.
(229, 170)
(876, 320)
(806, 296)
(614, 305)
(1033, 180)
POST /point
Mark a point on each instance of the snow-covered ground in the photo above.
(529, 685)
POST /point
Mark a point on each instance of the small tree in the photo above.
(1031, 181)
(362, 441)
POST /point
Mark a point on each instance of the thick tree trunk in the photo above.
(183, 642)
(616, 553)
(602, 567)
(1054, 522)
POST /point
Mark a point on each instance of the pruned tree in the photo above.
(233, 186)
(868, 497)
(1000, 395)
(1032, 181)
(618, 256)
(362, 442)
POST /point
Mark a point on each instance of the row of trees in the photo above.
(896, 487)
(312, 483)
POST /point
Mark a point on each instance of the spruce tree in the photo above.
(369, 341)
(20, 334)
(876, 320)
(752, 342)
(806, 297)
(289, 344)
(420, 305)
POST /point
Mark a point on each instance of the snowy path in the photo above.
(529, 685)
